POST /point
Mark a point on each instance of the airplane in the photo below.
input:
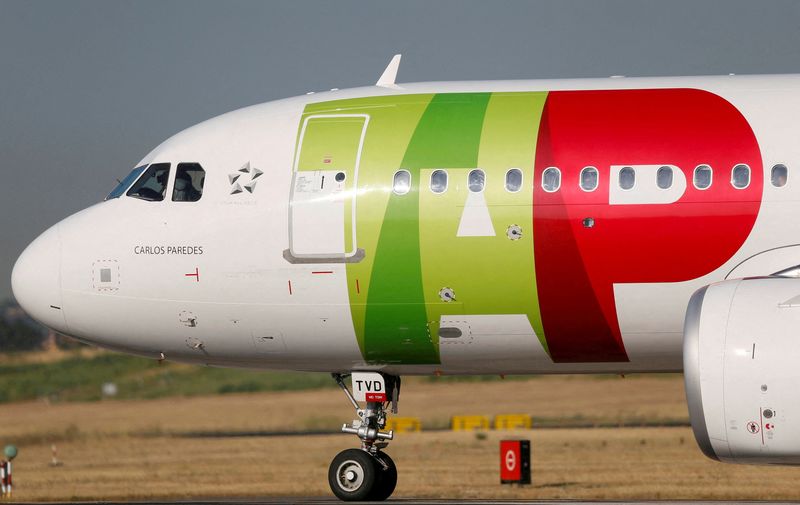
(608, 225)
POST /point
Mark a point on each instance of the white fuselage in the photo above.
(207, 281)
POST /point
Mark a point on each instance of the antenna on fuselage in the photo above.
(389, 75)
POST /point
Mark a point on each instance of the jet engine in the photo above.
(741, 359)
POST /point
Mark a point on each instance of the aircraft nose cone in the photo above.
(36, 280)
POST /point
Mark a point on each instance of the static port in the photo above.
(447, 294)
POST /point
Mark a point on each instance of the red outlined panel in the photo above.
(577, 266)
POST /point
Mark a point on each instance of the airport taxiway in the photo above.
(412, 501)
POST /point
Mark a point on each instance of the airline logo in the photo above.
(549, 250)
(576, 266)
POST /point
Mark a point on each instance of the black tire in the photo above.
(353, 475)
(387, 477)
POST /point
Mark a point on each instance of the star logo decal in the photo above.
(238, 181)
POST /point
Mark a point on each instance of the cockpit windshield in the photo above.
(152, 185)
(189, 178)
(126, 182)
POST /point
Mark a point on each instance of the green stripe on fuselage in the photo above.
(410, 241)
(396, 326)
(490, 274)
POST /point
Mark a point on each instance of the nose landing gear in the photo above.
(367, 473)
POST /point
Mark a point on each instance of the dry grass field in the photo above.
(132, 449)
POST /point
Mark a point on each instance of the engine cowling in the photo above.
(741, 358)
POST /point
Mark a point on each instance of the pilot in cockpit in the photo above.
(184, 190)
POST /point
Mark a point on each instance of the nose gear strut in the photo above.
(366, 473)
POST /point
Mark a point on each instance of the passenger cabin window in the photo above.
(551, 179)
(439, 181)
(514, 180)
(126, 182)
(664, 177)
(702, 177)
(402, 182)
(476, 180)
(627, 178)
(589, 179)
(152, 185)
(189, 179)
(740, 176)
(779, 175)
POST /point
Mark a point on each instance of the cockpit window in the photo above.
(189, 179)
(152, 185)
(126, 182)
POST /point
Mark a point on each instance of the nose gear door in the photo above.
(323, 199)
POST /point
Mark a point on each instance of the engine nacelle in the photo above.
(741, 359)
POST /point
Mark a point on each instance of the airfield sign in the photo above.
(515, 462)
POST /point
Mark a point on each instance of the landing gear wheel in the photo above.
(387, 477)
(353, 475)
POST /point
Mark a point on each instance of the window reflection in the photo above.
(439, 181)
(476, 181)
(126, 182)
(779, 175)
(589, 179)
(402, 182)
(189, 179)
(514, 180)
(702, 177)
(664, 177)
(627, 178)
(740, 176)
(152, 185)
(551, 179)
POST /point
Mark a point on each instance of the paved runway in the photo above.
(407, 501)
